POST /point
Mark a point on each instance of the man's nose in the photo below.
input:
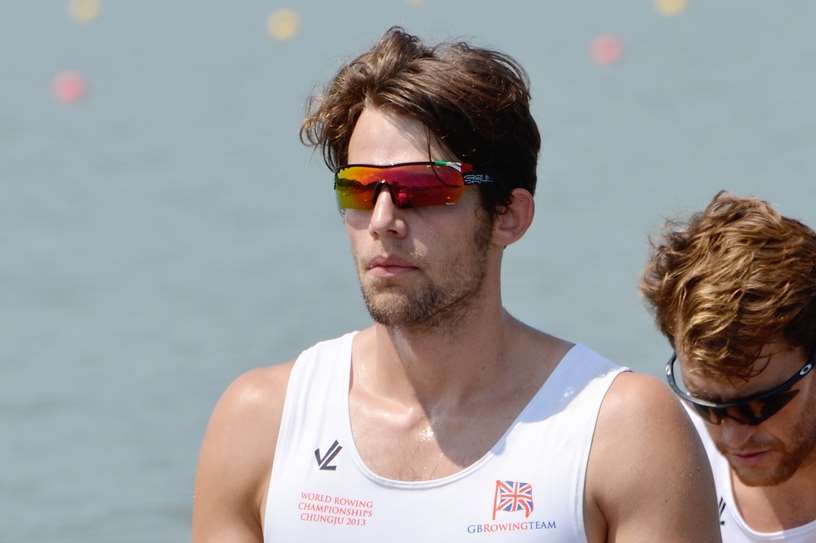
(734, 434)
(386, 218)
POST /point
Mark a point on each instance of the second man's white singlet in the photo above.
(528, 487)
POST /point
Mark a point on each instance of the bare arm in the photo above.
(236, 458)
(648, 477)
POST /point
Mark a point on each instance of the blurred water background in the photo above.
(166, 232)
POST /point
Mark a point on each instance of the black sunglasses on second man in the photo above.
(752, 409)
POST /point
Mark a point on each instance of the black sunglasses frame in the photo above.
(715, 412)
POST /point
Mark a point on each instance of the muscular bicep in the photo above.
(648, 474)
(236, 458)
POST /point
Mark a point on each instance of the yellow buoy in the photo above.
(283, 24)
(84, 11)
(671, 7)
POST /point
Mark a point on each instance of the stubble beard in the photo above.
(800, 452)
(434, 306)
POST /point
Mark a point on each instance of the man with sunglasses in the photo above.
(447, 419)
(734, 291)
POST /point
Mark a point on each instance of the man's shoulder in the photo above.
(647, 463)
(263, 389)
(258, 389)
(238, 448)
(255, 400)
(641, 420)
(252, 401)
(634, 398)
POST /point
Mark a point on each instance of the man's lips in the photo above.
(389, 262)
(749, 457)
(748, 454)
(388, 266)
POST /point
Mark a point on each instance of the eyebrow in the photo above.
(708, 397)
(712, 397)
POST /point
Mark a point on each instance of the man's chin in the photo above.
(752, 478)
(766, 474)
(391, 308)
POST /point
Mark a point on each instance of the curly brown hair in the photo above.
(474, 102)
(730, 280)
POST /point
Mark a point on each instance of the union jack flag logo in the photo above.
(513, 496)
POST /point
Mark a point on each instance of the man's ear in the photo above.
(513, 220)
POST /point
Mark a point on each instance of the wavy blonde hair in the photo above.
(731, 279)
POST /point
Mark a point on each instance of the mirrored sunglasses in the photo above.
(411, 184)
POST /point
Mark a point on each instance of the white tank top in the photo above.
(733, 527)
(528, 487)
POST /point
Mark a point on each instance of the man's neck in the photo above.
(780, 507)
(447, 363)
(444, 366)
(446, 394)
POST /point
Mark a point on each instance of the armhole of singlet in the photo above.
(289, 399)
(605, 384)
(298, 381)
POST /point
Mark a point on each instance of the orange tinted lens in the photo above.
(411, 185)
(353, 195)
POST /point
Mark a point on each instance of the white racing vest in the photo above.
(528, 487)
(733, 527)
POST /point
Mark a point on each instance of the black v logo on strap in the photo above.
(323, 462)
